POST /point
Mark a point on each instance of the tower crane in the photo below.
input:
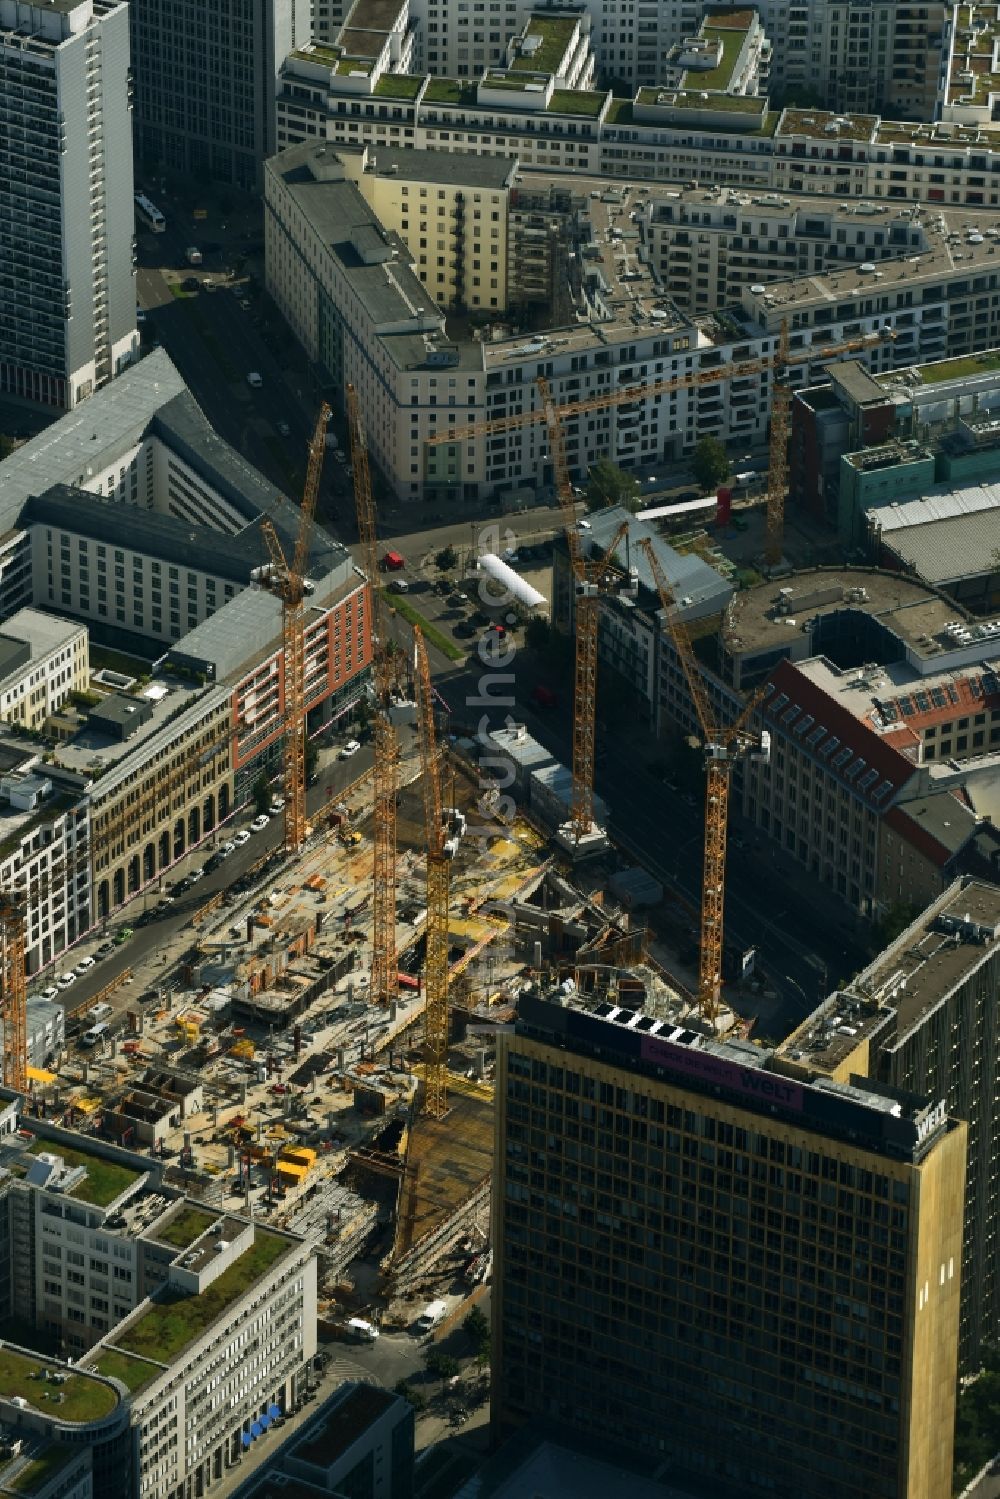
(288, 581)
(723, 747)
(385, 972)
(438, 896)
(13, 992)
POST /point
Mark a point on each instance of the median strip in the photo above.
(430, 632)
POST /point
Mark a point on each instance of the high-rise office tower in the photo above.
(205, 81)
(923, 1016)
(67, 279)
(749, 1278)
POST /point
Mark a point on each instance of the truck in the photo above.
(192, 255)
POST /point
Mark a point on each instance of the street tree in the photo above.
(610, 485)
(709, 462)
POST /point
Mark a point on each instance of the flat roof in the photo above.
(448, 168)
(161, 1329)
(329, 1437)
(754, 1076)
(62, 1394)
(374, 15)
(95, 752)
(91, 437)
(106, 1178)
(904, 605)
(698, 589)
(906, 981)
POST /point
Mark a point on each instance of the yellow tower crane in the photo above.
(13, 992)
(385, 972)
(592, 581)
(288, 581)
(438, 897)
(723, 747)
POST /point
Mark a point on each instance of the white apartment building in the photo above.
(42, 661)
(649, 138)
(45, 856)
(67, 279)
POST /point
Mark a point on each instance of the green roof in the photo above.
(36, 1474)
(749, 104)
(398, 86)
(555, 32)
(450, 91)
(316, 52)
(619, 112)
(134, 1373)
(79, 1398)
(174, 1320)
(349, 65)
(185, 1227)
(105, 1180)
(953, 369)
(575, 101)
(720, 76)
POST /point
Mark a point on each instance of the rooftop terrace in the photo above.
(555, 32)
(42, 1466)
(134, 1373)
(166, 1326)
(182, 1228)
(908, 607)
(105, 1179)
(50, 1388)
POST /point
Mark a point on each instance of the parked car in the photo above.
(243, 836)
(259, 823)
(83, 964)
(123, 936)
(277, 805)
(349, 750)
(63, 980)
(284, 430)
(227, 848)
(50, 993)
(99, 1012)
(105, 950)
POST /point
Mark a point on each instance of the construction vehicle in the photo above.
(592, 581)
(440, 850)
(383, 988)
(288, 580)
(723, 747)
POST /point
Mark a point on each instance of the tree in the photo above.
(417, 1398)
(440, 1365)
(312, 755)
(6, 446)
(537, 632)
(977, 1423)
(609, 485)
(476, 1327)
(446, 559)
(709, 462)
(261, 793)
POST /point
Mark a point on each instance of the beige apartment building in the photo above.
(451, 212)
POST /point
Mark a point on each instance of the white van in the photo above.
(254, 380)
(432, 1314)
(95, 1034)
(364, 1332)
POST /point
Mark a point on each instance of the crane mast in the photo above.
(13, 993)
(288, 581)
(438, 897)
(723, 747)
(385, 973)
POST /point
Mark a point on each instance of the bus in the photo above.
(149, 214)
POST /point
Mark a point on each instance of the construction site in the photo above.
(320, 1049)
